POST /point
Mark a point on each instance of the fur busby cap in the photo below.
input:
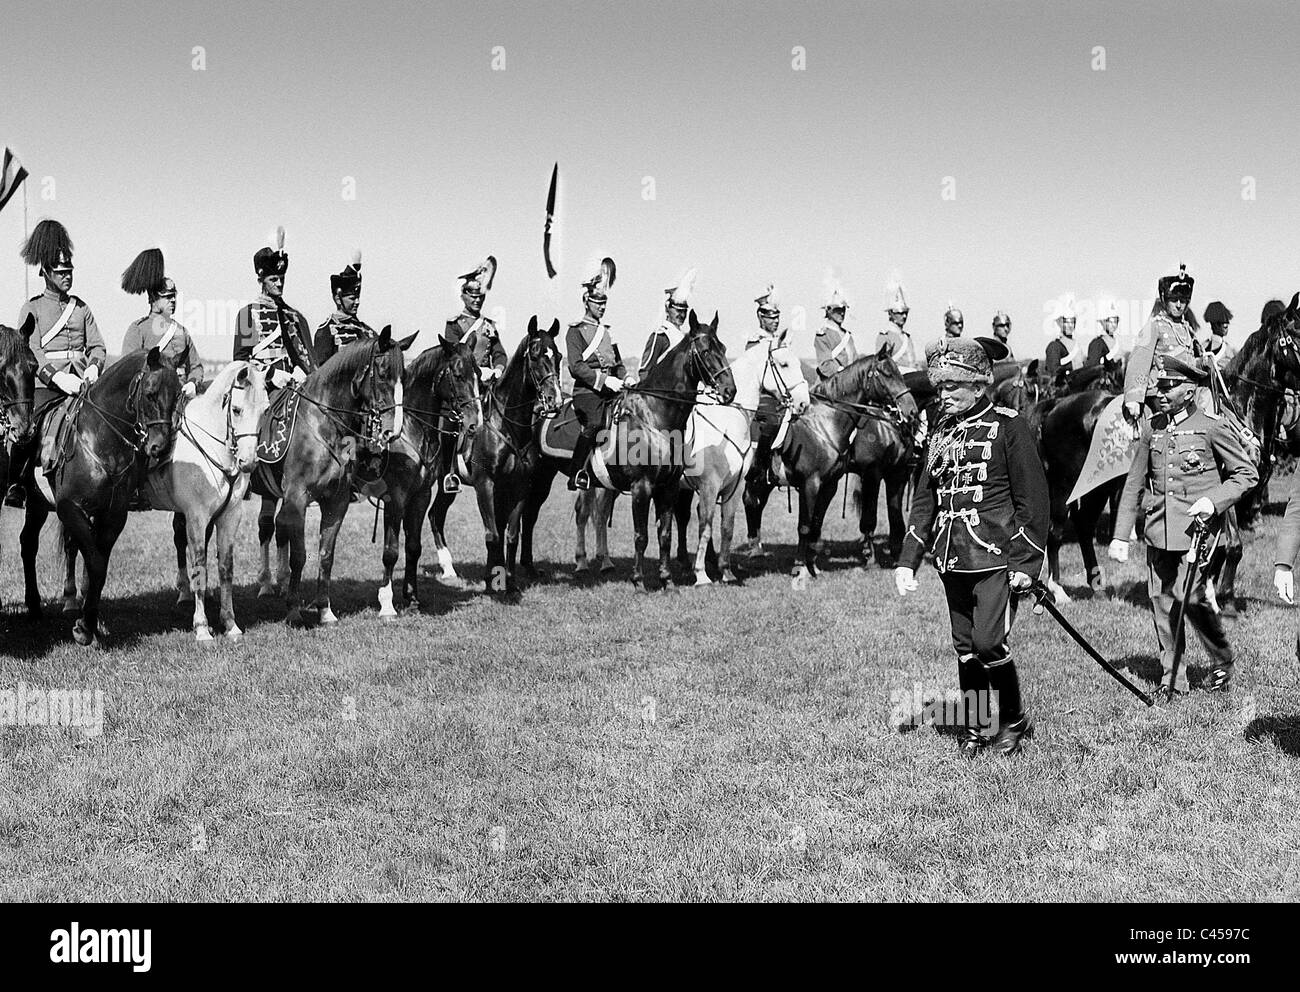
(769, 304)
(1217, 313)
(961, 359)
(48, 246)
(272, 261)
(1176, 286)
(348, 281)
(601, 280)
(1175, 369)
(478, 282)
(147, 274)
(679, 296)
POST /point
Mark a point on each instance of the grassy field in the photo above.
(588, 742)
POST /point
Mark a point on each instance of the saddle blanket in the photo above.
(560, 433)
(276, 429)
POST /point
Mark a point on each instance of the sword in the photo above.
(1198, 558)
(550, 216)
(1044, 597)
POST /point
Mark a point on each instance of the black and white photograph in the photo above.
(714, 452)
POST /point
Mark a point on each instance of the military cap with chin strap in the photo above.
(1172, 368)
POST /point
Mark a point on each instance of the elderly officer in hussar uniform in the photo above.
(982, 512)
(901, 346)
(1190, 465)
(159, 327)
(668, 334)
(833, 344)
(1064, 353)
(1102, 346)
(1171, 330)
(1218, 317)
(598, 372)
(343, 327)
(269, 333)
(1002, 331)
(69, 349)
(475, 330)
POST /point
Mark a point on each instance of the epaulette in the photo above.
(1006, 411)
(1212, 416)
(36, 297)
(821, 331)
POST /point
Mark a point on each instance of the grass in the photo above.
(588, 742)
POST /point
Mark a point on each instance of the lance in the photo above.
(550, 216)
(1044, 597)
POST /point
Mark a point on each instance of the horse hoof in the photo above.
(71, 607)
(35, 612)
(268, 591)
(702, 581)
(451, 580)
(327, 618)
(293, 618)
(607, 566)
(80, 634)
(234, 635)
(729, 578)
(202, 635)
(534, 574)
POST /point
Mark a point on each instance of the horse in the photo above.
(643, 447)
(17, 392)
(440, 394)
(117, 424)
(1258, 379)
(719, 450)
(813, 455)
(356, 396)
(204, 483)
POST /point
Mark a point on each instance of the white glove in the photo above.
(1284, 583)
(1020, 581)
(69, 382)
(488, 373)
(91, 374)
(904, 580)
(280, 378)
(613, 382)
(298, 376)
(1203, 508)
(189, 389)
(1118, 550)
(1133, 410)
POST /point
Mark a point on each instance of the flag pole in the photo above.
(27, 289)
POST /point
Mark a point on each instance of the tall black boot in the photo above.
(1013, 723)
(579, 478)
(974, 683)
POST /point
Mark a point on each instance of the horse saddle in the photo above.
(560, 433)
(58, 428)
(276, 428)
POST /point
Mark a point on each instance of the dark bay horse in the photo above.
(353, 400)
(118, 425)
(1259, 379)
(17, 391)
(814, 453)
(440, 407)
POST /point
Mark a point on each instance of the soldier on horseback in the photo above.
(669, 333)
(1103, 345)
(1218, 317)
(477, 331)
(158, 328)
(1171, 330)
(1002, 331)
(767, 419)
(270, 333)
(596, 369)
(982, 512)
(69, 349)
(342, 327)
(833, 344)
(901, 347)
(1064, 355)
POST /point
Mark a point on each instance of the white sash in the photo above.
(53, 332)
(166, 339)
(674, 336)
(844, 343)
(595, 342)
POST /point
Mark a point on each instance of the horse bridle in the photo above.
(140, 428)
(876, 411)
(10, 433)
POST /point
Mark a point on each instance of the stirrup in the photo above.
(16, 496)
(582, 479)
(451, 483)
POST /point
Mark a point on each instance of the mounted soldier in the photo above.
(342, 327)
(1064, 355)
(1002, 332)
(69, 349)
(669, 333)
(268, 332)
(833, 344)
(982, 512)
(477, 331)
(1171, 330)
(953, 325)
(902, 348)
(159, 328)
(767, 420)
(1218, 317)
(596, 368)
(1191, 467)
(1102, 346)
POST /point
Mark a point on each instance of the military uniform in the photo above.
(1099, 349)
(61, 344)
(982, 512)
(480, 333)
(1288, 537)
(662, 340)
(1180, 458)
(901, 347)
(339, 330)
(171, 339)
(767, 419)
(1062, 356)
(834, 349)
(274, 337)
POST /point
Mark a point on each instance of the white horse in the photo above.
(215, 452)
(718, 449)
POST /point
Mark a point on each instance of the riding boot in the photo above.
(1013, 723)
(974, 683)
(579, 477)
(16, 496)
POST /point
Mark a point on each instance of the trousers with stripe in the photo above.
(981, 610)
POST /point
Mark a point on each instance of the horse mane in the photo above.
(848, 382)
(423, 363)
(14, 348)
(350, 359)
(218, 387)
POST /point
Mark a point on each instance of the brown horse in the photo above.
(118, 425)
(17, 391)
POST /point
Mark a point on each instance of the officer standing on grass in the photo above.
(982, 512)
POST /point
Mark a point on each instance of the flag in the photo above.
(11, 177)
(1111, 451)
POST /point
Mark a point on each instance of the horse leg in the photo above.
(394, 509)
(291, 544)
(582, 501)
(225, 532)
(72, 604)
(605, 501)
(664, 501)
(29, 542)
(868, 499)
(96, 542)
(192, 542)
(438, 523)
(814, 498)
(756, 495)
(1085, 528)
(1055, 534)
(265, 531)
(727, 511)
(682, 514)
(416, 507)
(331, 519)
(640, 526)
(493, 525)
(513, 506)
(539, 488)
(704, 510)
(184, 580)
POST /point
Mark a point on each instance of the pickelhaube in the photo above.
(769, 304)
(836, 301)
(895, 300)
(679, 295)
(1108, 310)
(348, 281)
(598, 284)
(272, 261)
(1065, 309)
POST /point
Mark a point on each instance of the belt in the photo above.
(63, 356)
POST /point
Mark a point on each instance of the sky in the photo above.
(994, 155)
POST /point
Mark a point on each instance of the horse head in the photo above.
(1284, 340)
(246, 401)
(152, 398)
(376, 381)
(17, 381)
(541, 359)
(708, 365)
(782, 376)
(886, 383)
(455, 389)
